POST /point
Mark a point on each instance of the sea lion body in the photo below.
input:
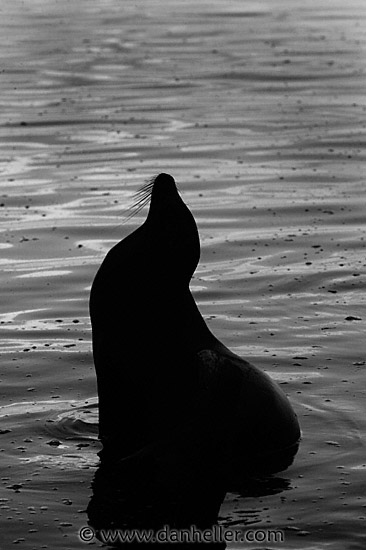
(146, 326)
(168, 388)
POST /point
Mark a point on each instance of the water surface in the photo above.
(258, 110)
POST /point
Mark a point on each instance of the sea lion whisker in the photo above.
(144, 189)
(141, 198)
(138, 194)
(137, 206)
(148, 185)
(141, 201)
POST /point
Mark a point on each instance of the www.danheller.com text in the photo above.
(218, 533)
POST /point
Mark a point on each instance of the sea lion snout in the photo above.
(164, 194)
(164, 184)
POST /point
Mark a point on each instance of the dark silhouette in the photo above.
(181, 418)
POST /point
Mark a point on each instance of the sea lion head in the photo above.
(150, 269)
(170, 230)
(164, 193)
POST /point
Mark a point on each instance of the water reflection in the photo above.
(141, 492)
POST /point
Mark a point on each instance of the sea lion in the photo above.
(170, 393)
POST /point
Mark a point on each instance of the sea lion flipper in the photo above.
(255, 426)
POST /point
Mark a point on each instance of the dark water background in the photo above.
(258, 110)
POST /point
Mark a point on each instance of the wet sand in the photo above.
(258, 110)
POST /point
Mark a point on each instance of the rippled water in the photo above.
(258, 110)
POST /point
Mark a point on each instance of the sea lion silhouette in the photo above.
(177, 408)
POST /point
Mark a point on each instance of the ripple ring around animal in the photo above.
(167, 387)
